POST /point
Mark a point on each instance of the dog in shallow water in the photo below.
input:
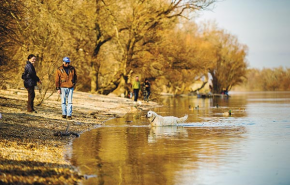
(159, 121)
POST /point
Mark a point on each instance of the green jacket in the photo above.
(136, 85)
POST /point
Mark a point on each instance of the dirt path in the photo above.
(30, 153)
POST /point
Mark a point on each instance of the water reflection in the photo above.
(166, 132)
(250, 147)
(136, 154)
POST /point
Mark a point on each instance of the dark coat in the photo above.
(29, 76)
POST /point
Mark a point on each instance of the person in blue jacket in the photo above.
(30, 81)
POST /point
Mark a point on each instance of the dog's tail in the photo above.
(182, 119)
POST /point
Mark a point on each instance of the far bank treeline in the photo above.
(109, 42)
(276, 79)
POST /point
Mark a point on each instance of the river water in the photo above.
(251, 147)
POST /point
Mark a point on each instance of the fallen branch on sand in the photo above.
(66, 133)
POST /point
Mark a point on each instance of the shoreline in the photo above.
(30, 153)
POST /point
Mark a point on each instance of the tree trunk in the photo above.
(216, 89)
(121, 89)
(127, 58)
(94, 79)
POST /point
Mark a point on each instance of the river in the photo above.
(251, 147)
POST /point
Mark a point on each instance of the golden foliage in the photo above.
(228, 67)
(109, 41)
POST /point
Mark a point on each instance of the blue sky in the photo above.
(263, 25)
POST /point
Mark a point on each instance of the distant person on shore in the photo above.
(65, 81)
(146, 90)
(225, 92)
(30, 81)
(136, 88)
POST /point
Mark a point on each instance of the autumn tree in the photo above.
(266, 79)
(54, 29)
(97, 28)
(108, 41)
(188, 56)
(175, 62)
(140, 21)
(88, 26)
(10, 13)
(42, 35)
(285, 79)
(229, 63)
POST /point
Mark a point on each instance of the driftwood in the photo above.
(66, 133)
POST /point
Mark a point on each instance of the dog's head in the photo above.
(150, 114)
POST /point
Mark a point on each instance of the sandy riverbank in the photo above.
(30, 153)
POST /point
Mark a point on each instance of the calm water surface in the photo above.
(250, 147)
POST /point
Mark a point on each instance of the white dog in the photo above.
(159, 121)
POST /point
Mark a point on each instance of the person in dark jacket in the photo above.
(30, 81)
(146, 91)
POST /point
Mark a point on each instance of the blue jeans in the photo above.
(66, 100)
